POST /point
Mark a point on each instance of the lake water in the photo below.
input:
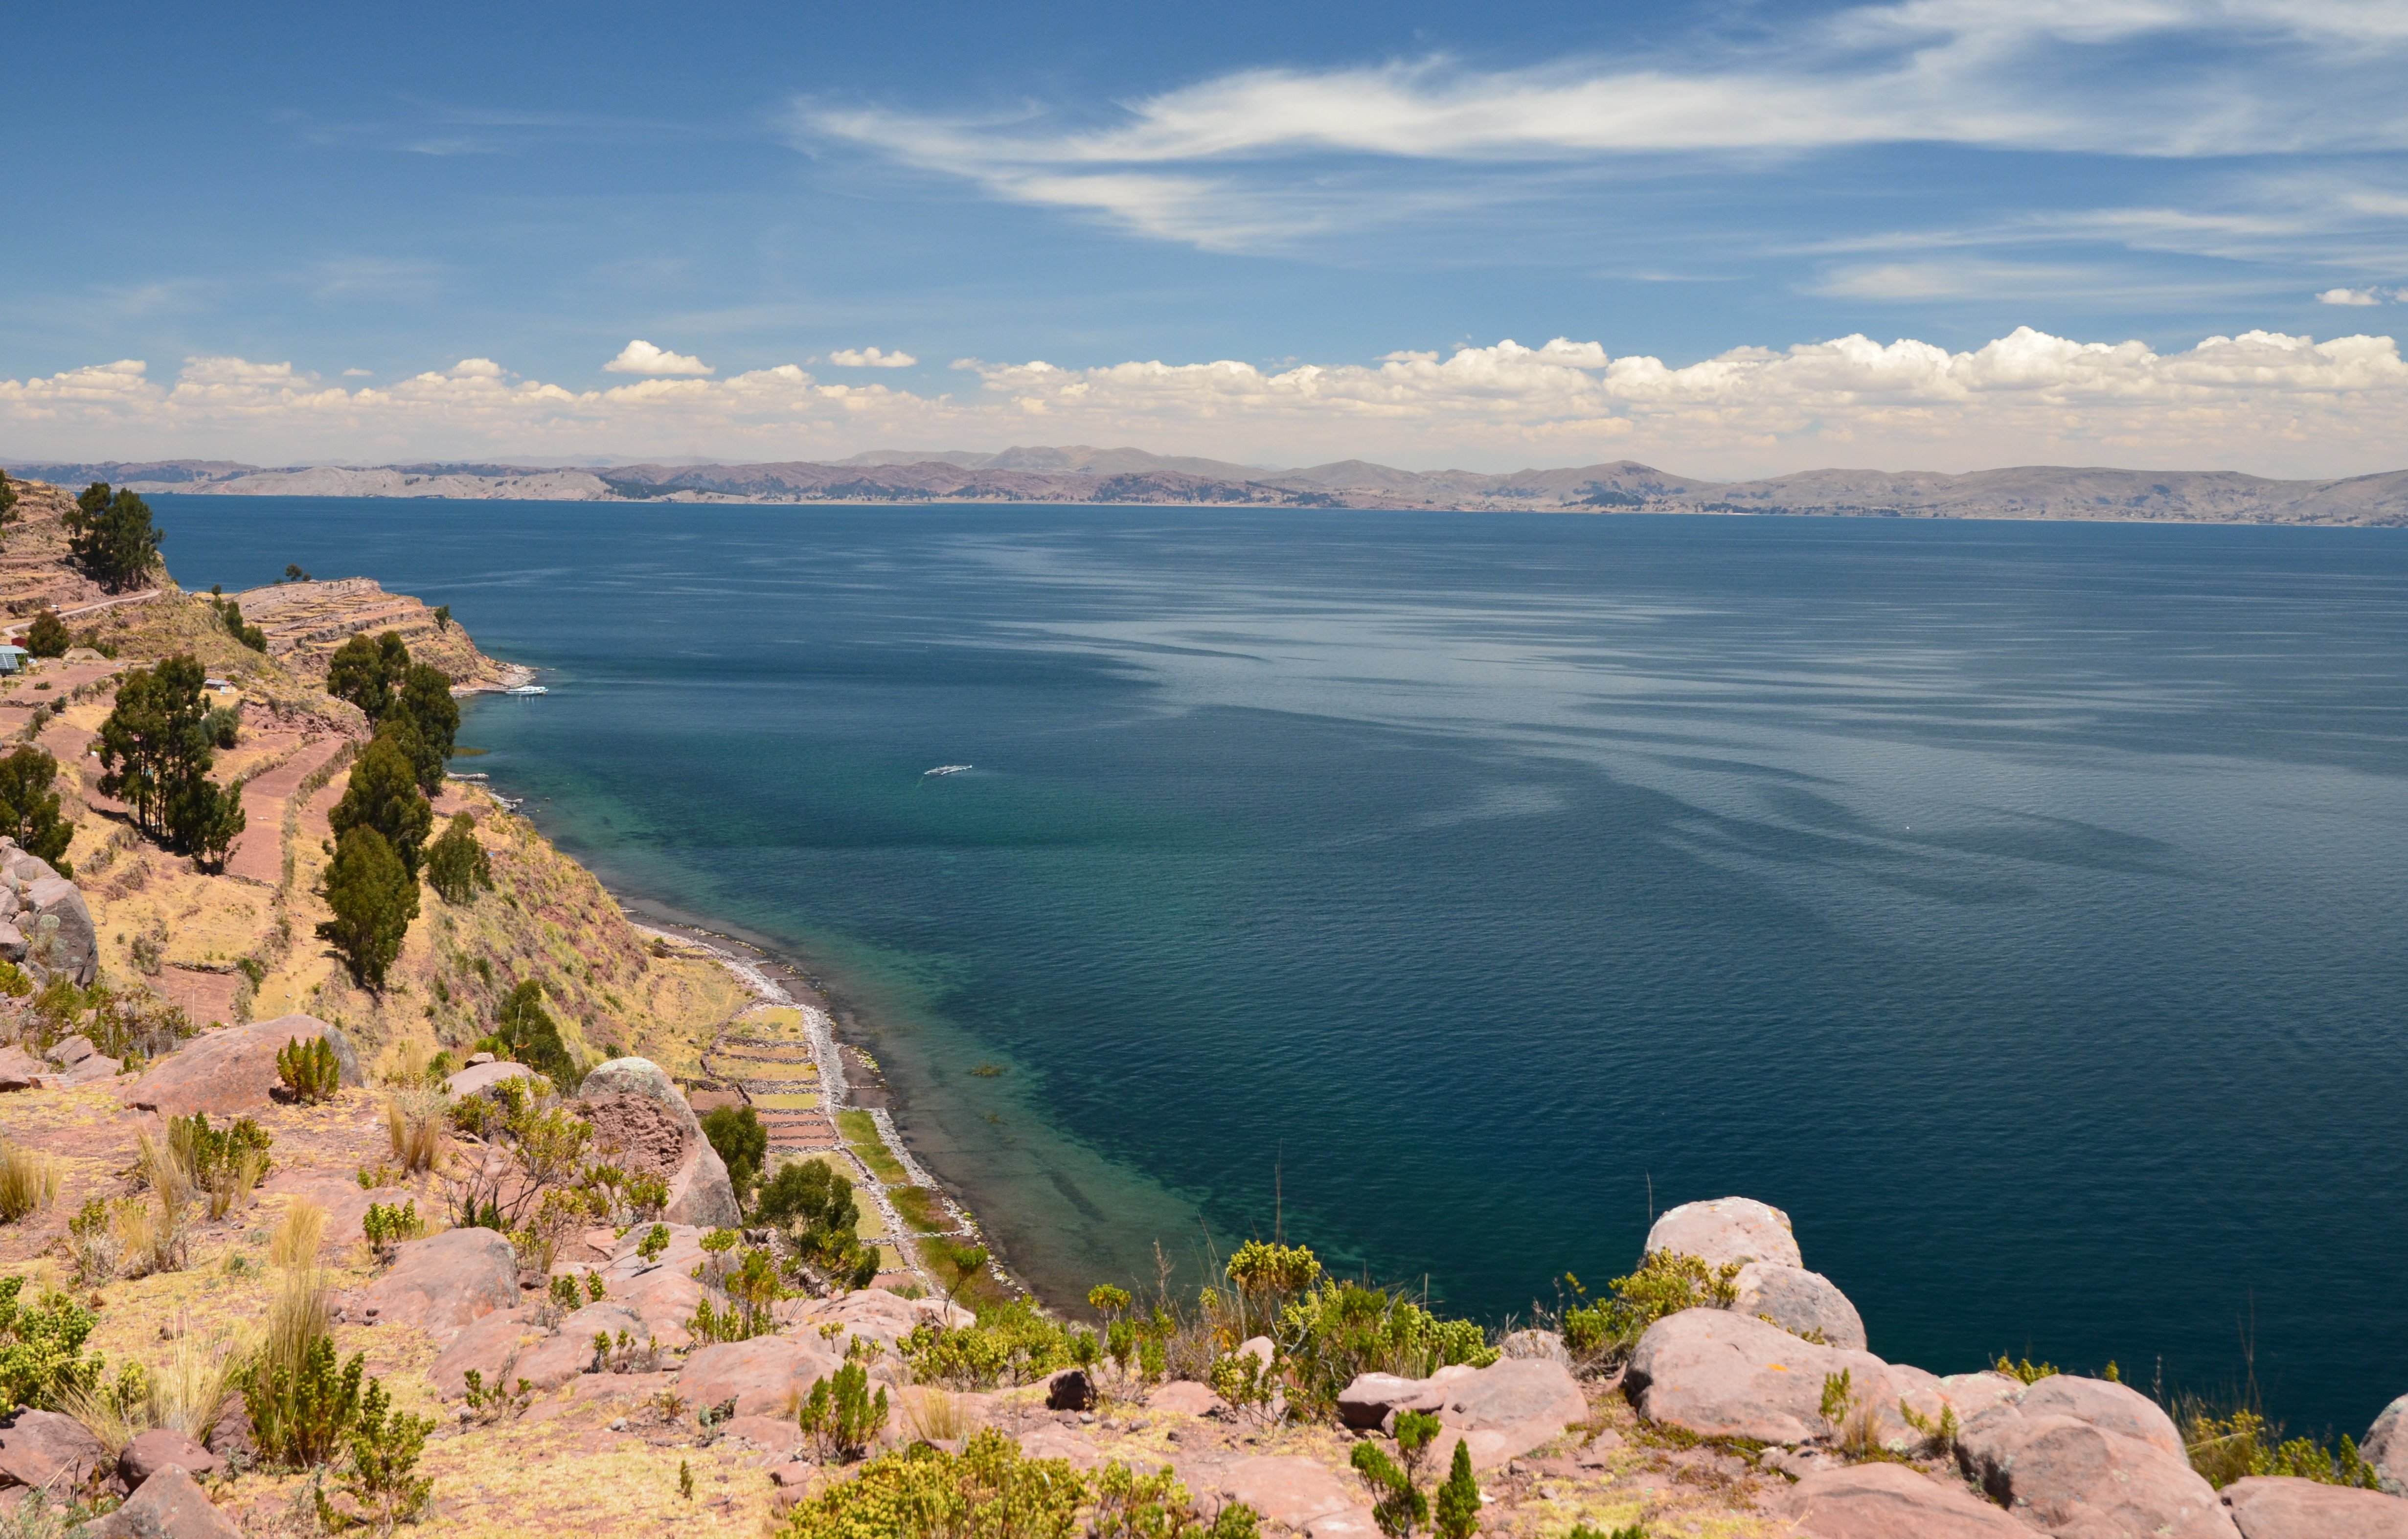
(2019, 906)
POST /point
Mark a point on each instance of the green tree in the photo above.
(1458, 1499)
(384, 795)
(525, 1033)
(48, 636)
(374, 900)
(424, 697)
(248, 634)
(113, 535)
(154, 755)
(29, 809)
(456, 863)
(293, 573)
(813, 1205)
(357, 674)
(741, 1142)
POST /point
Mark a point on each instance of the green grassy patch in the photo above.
(919, 1209)
(787, 1100)
(861, 1136)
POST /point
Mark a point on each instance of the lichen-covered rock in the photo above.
(569, 1351)
(757, 1374)
(2283, 1508)
(170, 1506)
(479, 1078)
(1724, 1374)
(49, 918)
(2385, 1447)
(1892, 1502)
(1803, 1303)
(232, 1071)
(699, 1190)
(1725, 1230)
(1546, 1345)
(2109, 1407)
(442, 1284)
(2074, 1478)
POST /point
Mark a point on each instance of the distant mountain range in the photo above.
(1078, 474)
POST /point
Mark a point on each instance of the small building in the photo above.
(13, 659)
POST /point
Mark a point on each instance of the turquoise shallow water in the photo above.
(2020, 907)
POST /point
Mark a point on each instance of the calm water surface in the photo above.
(2020, 907)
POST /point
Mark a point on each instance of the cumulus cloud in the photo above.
(641, 357)
(870, 358)
(2262, 400)
(2349, 296)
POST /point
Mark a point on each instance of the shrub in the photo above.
(300, 1413)
(225, 1163)
(390, 1224)
(1010, 1342)
(380, 1473)
(1458, 1500)
(2024, 1370)
(230, 613)
(741, 1142)
(1339, 1330)
(1396, 1504)
(13, 981)
(841, 1419)
(29, 1180)
(92, 1241)
(989, 1491)
(1129, 1505)
(1663, 1284)
(374, 897)
(2225, 1448)
(39, 1346)
(48, 635)
(310, 1071)
(456, 863)
(655, 1242)
(1247, 1383)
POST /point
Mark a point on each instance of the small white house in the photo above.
(13, 659)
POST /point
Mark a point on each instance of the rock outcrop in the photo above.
(757, 1374)
(1803, 1303)
(44, 926)
(2078, 1457)
(232, 1070)
(1727, 1230)
(442, 1284)
(478, 1078)
(2281, 1507)
(43, 1448)
(1893, 1502)
(2385, 1447)
(625, 1099)
(170, 1506)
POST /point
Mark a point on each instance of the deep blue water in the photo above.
(2020, 907)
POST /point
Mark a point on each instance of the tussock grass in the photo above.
(301, 1313)
(187, 1393)
(29, 1181)
(298, 1232)
(936, 1415)
(413, 1122)
(154, 1235)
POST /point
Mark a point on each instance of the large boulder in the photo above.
(872, 1314)
(20, 1069)
(1724, 1374)
(80, 1063)
(1803, 1303)
(442, 1284)
(479, 1078)
(2385, 1447)
(170, 1506)
(2077, 1462)
(1289, 1490)
(757, 1374)
(569, 1351)
(45, 1448)
(1725, 1230)
(154, 1450)
(1513, 1392)
(1892, 1502)
(490, 1347)
(49, 917)
(619, 1096)
(232, 1070)
(2281, 1507)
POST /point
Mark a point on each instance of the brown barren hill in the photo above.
(307, 622)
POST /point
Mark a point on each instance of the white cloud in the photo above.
(2349, 296)
(2126, 78)
(359, 374)
(870, 358)
(641, 357)
(2260, 401)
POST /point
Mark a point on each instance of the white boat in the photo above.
(529, 689)
(945, 769)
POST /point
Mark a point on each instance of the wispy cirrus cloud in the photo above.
(2262, 400)
(2164, 78)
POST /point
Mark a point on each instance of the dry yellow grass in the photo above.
(298, 1232)
(413, 1120)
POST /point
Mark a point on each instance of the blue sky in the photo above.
(358, 232)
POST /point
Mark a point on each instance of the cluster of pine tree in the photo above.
(156, 757)
(383, 822)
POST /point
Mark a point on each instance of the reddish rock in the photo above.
(2072, 1478)
(699, 1192)
(442, 1284)
(1053, 1440)
(169, 1505)
(81, 1063)
(2281, 1507)
(777, 1433)
(1801, 1302)
(1728, 1229)
(2385, 1447)
(57, 927)
(1290, 1490)
(154, 1450)
(19, 1069)
(490, 1346)
(1722, 1375)
(232, 1070)
(1372, 1398)
(39, 1447)
(1893, 1502)
(1513, 1391)
(2108, 1407)
(563, 1356)
(1353, 1523)
(1182, 1397)
(757, 1374)
(479, 1078)
(873, 1314)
